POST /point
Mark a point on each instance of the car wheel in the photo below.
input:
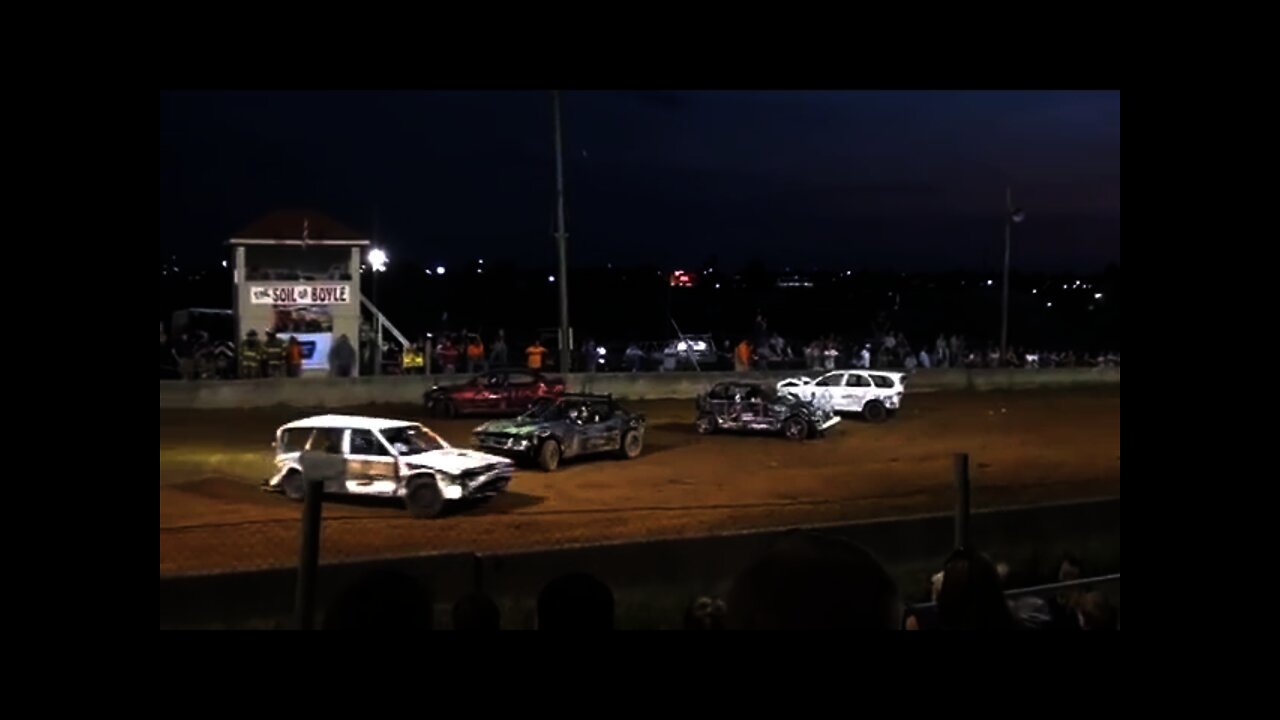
(294, 488)
(424, 499)
(706, 424)
(632, 444)
(549, 455)
(795, 428)
(874, 411)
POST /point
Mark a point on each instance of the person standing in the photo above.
(534, 355)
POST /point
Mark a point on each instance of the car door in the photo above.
(857, 390)
(371, 466)
(521, 391)
(831, 385)
(602, 430)
(490, 393)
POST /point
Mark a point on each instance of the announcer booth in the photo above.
(297, 274)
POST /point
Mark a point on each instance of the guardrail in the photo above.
(408, 389)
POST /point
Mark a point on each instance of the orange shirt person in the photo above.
(535, 352)
(475, 355)
(742, 357)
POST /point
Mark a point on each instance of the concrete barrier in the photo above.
(408, 389)
(652, 581)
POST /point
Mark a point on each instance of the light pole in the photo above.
(561, 238)
(377, 263)
(1012, 215)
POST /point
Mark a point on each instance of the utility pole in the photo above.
(563, 277)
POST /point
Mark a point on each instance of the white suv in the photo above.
(871, 392)
(384, 458)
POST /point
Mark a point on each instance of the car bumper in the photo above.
(829, 423)
(487, 485)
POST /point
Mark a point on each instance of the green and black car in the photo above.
(570, 426)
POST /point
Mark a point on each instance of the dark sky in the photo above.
(906, 180)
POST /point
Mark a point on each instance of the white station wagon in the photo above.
(873, 393)
(384, 458)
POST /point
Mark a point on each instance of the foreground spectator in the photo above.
(971, 597)
(476, 611)
(1095, 612)
(575, 602)
(810, 581)
(705, 614)
(381, 600)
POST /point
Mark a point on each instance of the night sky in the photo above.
(857, 180)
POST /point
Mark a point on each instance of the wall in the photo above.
(346, 392)
(654, 580)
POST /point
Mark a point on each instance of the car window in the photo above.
(326, 440)
(882, 381)
(295, 440)
(832, 380)
(857, 380)
(600, 412)
(363, 442)
(412, 439)
(719, 392)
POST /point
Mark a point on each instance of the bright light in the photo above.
(551, 278)
(1033, 292)
(1097, 296)
(600, 351)
(989, 282)
(427, 270)
(481, 261)
(717, 286)
(439, 269)
(1048, 304)
(479, 270)
(1066, 287)
(378, 259)
(224, 263)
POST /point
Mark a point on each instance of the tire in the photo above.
(424, 499)
(706, 424)
(795, 428)
(874, 411)
(632, 444)
(294, 488)
(549, 455)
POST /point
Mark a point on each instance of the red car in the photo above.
(498, 392)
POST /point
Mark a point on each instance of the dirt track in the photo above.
(1025, 447)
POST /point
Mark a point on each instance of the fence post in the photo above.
(962, 499)
(309, 557)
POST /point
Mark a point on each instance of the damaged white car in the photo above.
(874, 393)
(383, 458)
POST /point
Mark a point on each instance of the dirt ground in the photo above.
(1025, 447)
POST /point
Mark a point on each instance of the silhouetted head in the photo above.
(575, 602)
(381, 600)
(810, 581)
(1094, 612)
(705, 614)
(971, 597)
(476, 612)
